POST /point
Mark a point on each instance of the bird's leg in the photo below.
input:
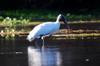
(42, 41)
(38, 43)
(43, 37)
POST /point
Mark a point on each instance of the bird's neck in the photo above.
(58, 19)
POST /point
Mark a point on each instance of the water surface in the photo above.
(19, 52)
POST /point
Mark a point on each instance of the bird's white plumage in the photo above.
(44, 29)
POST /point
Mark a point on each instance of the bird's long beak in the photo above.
(66, 23)
(67, 26)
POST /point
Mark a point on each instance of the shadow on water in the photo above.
(19, 52)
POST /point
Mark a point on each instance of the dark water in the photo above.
(19, 52)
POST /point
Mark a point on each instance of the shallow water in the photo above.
(19, 52)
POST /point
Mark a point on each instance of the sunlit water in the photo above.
(19, 52)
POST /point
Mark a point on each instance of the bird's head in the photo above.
(62, 18)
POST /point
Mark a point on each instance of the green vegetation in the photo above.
(48, 15)
(30, 14)
(11, 20)
(14, 18)
(10, 25)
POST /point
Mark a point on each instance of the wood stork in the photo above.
(47, 28)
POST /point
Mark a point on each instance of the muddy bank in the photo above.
(75, 25)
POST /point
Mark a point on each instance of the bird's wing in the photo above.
(44, 29)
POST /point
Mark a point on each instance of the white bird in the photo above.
(47, 28)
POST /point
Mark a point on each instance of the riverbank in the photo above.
(78, 30)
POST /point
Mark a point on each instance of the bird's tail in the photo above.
(30, 38)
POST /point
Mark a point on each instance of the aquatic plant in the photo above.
(7, 33)
(13, 22)
(11, 25)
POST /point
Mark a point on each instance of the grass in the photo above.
(14, 18)
(13, 21)
(10, 19)
(30, 14)
(48, 14)
(36, 16)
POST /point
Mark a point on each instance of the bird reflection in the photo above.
(44, 57)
